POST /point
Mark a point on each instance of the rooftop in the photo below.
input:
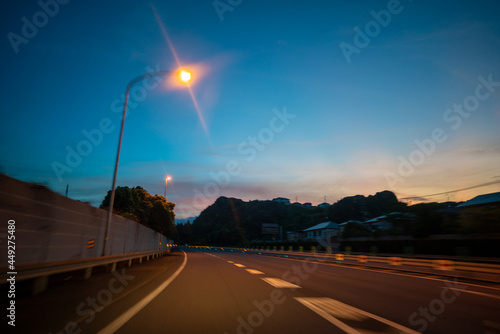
(322, 226)
(482, 199)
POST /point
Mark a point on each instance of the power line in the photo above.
(457, 190)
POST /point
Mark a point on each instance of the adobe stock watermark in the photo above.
(297, 274)
(420, 319)
(87, 309)
(30, 28)
(222, 6)
(94, 137)
(371, 30)
(264, 309)
(454, 117)
(249, 149)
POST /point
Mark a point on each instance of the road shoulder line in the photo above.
(126, 316)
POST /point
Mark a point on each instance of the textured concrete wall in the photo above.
(50, 227)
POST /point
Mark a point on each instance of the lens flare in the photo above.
(174, 53)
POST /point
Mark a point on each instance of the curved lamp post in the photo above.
(184, 76)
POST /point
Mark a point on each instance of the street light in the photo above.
(184, 76)
(166, 180)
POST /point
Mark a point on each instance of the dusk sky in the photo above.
(289, 98)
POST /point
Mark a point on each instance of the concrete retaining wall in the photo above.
(50, 227)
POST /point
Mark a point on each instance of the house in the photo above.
(492, 199)
(379, 223)
(323, 232)
(481, 214)
(324, 205)
(342, 226)
(282, 200)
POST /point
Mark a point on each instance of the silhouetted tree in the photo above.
(137, 204)
(362, 208)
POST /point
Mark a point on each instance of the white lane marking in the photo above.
(239, 265)
(255, 272)
(475, 292)
(126, 316)
(230, 262)
(331, 310)
(279, 283)
(327, 316)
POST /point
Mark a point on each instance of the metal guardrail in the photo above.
(41, 273)
(456, 269)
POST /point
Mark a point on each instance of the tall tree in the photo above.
(137, 204)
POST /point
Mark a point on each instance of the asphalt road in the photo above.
(207, 291)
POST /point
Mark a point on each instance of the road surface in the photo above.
(214, 291)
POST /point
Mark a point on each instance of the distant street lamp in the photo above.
(185, 77)
(166, 180)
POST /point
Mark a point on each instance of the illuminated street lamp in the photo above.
(166, 180)
(185, 77)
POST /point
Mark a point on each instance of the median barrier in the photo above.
(444, 265)
(468, 270)
(395, 261)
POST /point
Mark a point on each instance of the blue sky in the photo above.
(283, 108)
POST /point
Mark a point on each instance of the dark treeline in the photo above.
(138, 205)
(231, 221)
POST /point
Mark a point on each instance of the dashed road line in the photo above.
(279, 283)
(239, 265)
(255, 272)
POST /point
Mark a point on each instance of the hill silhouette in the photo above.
(232, 221)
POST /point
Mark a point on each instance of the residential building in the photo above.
(379, 223)
(342, 225)
(282, 200)
(492, 199)
(323, 232)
